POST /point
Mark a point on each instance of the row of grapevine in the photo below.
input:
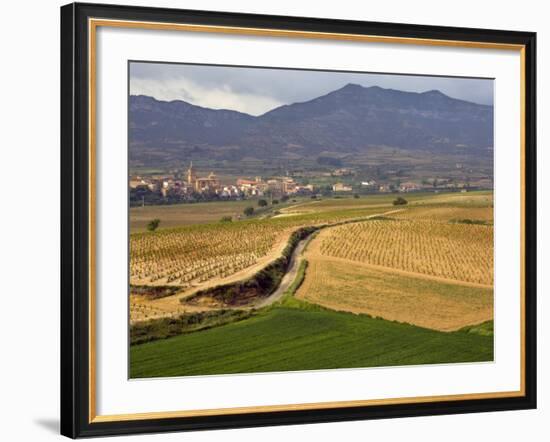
(456, 251)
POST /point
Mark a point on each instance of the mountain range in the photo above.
(348, 120)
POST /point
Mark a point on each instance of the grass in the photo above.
(300, 275)
(484, 329)
(163, 328)
(288, 339)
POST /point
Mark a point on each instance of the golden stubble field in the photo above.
(421, 267)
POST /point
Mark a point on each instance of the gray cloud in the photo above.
(258, 90)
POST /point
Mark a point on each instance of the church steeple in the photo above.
(191, 175)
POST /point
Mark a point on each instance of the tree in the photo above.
(153, 225)
(226, 219)
(248, 211)
(399, 201)
(326, 190)
(262, 203)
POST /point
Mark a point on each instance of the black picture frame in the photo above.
(75, 221)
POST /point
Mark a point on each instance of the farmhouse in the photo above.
(339, 187)
(409, 187)
(289, 186)
(136, 182)
(252, 187)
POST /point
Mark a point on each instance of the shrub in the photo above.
(468, 221)
(153, 292)
(153, 225)
(163, 328)
(226, 219)
(262, 203)
(400, 201)
(248, 211)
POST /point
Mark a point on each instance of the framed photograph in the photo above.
(280, 220)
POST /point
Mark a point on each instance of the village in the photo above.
(192, 186)
(210, 186)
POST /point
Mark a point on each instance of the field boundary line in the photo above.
(386, 269)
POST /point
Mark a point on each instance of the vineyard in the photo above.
(197, 254)
(461, 252)
(192, 255)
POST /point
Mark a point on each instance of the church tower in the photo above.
(191, 175)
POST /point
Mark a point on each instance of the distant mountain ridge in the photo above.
(350, 119)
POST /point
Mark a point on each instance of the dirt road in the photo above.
(295, 260)
(290, 275)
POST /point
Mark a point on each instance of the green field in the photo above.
(287, 339)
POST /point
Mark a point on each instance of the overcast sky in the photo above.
(258, 90)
